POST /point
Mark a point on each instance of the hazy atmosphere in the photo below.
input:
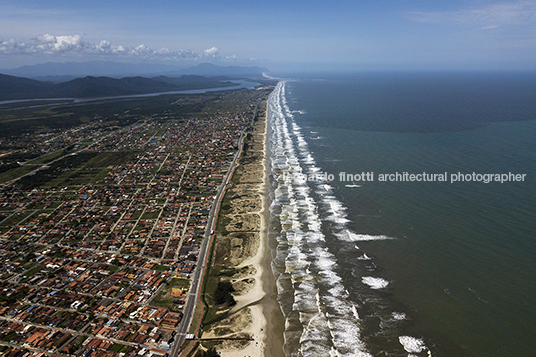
(279, 35)
(211, 178)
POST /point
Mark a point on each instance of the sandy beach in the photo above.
(244, 246)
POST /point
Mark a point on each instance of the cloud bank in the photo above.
(66, 44)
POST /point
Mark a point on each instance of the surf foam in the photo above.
(320, 299)
(375, 283)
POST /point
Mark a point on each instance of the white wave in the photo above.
(375, 283)
(364, 257)
(399, 315)
(335, 206)
(337, 210)
(315, 237)
(327, 324)
(354, 311)
(349, 236)
(339, 291)
(309, 160)
(305, 303)
(338, 220)
(326, 187)
(325, 260)
(413, 345)
(353, 186)
(344, 332)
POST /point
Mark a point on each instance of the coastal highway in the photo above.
(195, 289)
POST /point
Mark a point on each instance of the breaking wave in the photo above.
(321, 318)
(375, 283)
(308, 269)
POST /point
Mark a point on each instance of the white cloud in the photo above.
(211, 52)
(51, 44)
(504, 13)
(491, 27)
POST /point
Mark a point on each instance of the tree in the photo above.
(211, 352)
(223, 293)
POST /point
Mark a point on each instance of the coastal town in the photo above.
(101, 230)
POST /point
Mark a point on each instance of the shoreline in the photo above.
(271, 309)
(243, 246)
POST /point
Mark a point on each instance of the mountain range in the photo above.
(101, 79)
(13, 88)
(61, 72)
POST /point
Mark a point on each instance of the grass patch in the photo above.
(112, 268)
(77, 343)
(198, 315)
(16, 218)
(214, 312)
(159, 267)
(117, 347)
(79, 169)
(33, 271)
(164, 298)
(46, 158)
(15, 173)
(112, 158)
(223, 271)
(57, 172)
(151, 215)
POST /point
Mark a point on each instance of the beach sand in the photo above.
(257, 312)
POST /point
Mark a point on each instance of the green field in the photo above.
(164, 298)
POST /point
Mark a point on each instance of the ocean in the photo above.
(403, 213)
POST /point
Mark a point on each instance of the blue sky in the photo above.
(358, 35)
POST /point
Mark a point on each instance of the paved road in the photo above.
(195, 289)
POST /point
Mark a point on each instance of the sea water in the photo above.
(405, 266)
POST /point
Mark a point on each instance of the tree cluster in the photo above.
(211, 352)
(223, 293)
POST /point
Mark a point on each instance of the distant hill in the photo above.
(106, 86)
(58, 72)
(88, 68)
(12, 87)
(22, 88)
